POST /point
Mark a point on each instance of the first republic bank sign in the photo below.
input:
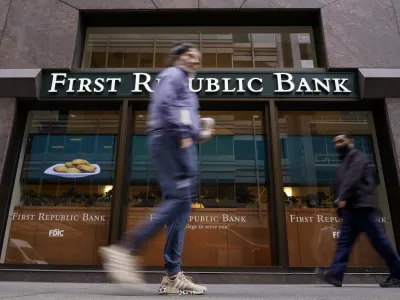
(255, 84)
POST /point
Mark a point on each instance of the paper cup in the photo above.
(207, 123)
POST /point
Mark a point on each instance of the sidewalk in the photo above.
(74, 291)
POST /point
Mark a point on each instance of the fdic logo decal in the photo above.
(56, 233)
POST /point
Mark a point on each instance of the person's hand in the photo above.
(341, 204)
(209, 138)
(186, 143)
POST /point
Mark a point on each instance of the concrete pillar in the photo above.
(393, 111)
(7, 113)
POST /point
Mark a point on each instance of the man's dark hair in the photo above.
(177, 50)
(345, 134)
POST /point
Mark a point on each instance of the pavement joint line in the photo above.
(38, 294)
(191, 272)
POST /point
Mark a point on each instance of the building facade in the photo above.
(280, 78)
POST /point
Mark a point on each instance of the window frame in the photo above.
(270, 106)
(210, 30)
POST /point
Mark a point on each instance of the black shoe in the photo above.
(328, 278)
(391, 282)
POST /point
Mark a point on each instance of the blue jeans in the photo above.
(176, 170)
(354, 222)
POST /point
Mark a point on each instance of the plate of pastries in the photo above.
(76, 168)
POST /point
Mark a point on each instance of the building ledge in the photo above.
(379, 83)
(20, 83)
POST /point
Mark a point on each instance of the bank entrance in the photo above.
(266, 180)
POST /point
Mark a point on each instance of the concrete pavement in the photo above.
(76, 291)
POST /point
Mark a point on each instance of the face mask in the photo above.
(342, 150)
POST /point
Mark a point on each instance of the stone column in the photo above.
(393, 114)
(391, 183)
(7, 113)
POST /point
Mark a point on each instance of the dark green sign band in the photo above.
(59, 84)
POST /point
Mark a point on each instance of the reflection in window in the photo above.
(56, 138)
(217, 50)
(266, 54)
(309, 163)
(229, 220)
(163, 43)
(309, 159)
(231, 165)
(254, 47)
(307, 58)
(63, 188)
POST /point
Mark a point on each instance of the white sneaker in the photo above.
(121, 266)
(181, 285)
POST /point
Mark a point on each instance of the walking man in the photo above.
(173, 131)
(357, 207)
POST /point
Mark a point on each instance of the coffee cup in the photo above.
(206, 125)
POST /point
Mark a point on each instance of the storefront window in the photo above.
(309, 163)
(63, 192)
(233, 47)
(229, 225)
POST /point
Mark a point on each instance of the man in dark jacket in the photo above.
(357, 207)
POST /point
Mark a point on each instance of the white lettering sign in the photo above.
(223, 218)
(56, 233)
(55, 81)
(91, 218)
(138, 82)
(84, 85)
(85, 217)
(141, 82)
(325, 219)
(286, 85)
